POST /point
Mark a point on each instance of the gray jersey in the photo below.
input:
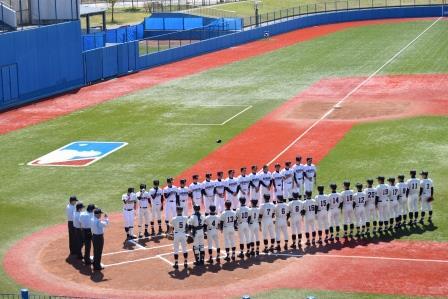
(267, 211)
(335, 200)
(242, 215)
(321, 202)
(413, 185)
(254, 214)
(371, 196)
(382, 191)
(310, 208)
(179, 224)
(426, 185)
(402, 190)
(212, 222)
(393, 194)
(347, 199)
(295, 208)
(360, 199)
(228, 217)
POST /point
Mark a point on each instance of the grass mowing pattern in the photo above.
(34, 197)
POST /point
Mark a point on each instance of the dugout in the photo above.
(87, 12)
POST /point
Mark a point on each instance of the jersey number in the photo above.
(230, 219)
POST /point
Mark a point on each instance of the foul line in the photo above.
(338, 104)
(221, 124)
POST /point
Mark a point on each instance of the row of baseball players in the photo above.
(382, 204)
(280, 183)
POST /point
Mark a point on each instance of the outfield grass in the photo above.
(34, 197)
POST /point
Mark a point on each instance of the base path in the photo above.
(143, 270)
(95, 94)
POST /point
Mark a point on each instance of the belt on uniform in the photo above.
(143, 207)
(129, 210)
(86, 229)
(199, 227)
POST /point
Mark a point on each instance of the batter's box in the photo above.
(204, 115)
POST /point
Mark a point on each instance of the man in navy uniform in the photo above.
(78, 230)
(69, 211)
(86, 219)
(98, 226)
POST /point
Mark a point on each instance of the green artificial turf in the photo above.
(35, 197)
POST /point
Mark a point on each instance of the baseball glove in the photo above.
(430, 199)
(170, 236)
(190, 239)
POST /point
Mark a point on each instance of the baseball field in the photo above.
(363, 98)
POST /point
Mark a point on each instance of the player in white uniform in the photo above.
(143, 210)
(196, 226)
(310, 218)
(129, 204)
(156, 206)
(335, 201)
(382, 197)
(298, 169)
(288, 180)
(170, 195)
(267, 222)
(212, 225)
(220, 185)
(281, 223)
(254, 227)
(243, 183)
(243, 219)
(322, 206)
(402, 200)
(182, 199)
(426, 196)
(195, 190)
(348, 209)
(296, 211)
(265, 181)
(371, 210)
(413, 194)
(360, 199)
(277, 181)
(208, 192)
(179, 225)
(254, 183)
(393, 203)
(309, 175)
(228, 224)
(232, 189)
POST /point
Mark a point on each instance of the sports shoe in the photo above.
(176, 266)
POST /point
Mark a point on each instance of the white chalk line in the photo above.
(136, 244)
(339, 104)
(220, 124)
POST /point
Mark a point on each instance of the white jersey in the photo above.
(209, 188)
(255, 180)
(310, 208)
(382, 191)
(228, 218)
(347, 199)
(156, 196)
(197, 221)
(298, 172)
(243, 182)
(267, 211)
(143, 199)
(281, 211)
(321, 202)
(195, 190)
(393, 194)
(212, 223)
(232, 184)
(370, 196)
(288, 177)
(254, 214)
(309, 172)
(360, 199)
(170, 194)
(402, 190)
(426, 185)
(183, 196)
(334, 199)
(128, 201)
(219, 187)
(266, 178)
(179, 223)
(277, 177)
(413, 185)
(242, 215)
(295, 208)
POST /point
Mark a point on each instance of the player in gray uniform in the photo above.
(254, 227)
(143, 210)
(296, 211)
(267, 225)
(243, 183)
(371, 211)
(179, 226)
(335, 201)
(281, 222)
(196, 226)
(156, 196)
(360, 199)
(382, 196)
(348, 209)
(182, 199)
(254, 183)
(413, 194)
(195, 189)
(243, 220)
(426, 196)
(393, 203)
(212, 225)
(288, 180)
(208, 192)
(298, 169)
(265, 181)
(171, 196)
(402, 200)
(129, 204)
(310, 218)
(322, 205)
(227, 225)
(277, 180)
(220, 185)
(232, 189)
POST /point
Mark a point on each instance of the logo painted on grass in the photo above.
(78, 154)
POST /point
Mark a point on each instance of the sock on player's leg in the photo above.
(345, 228)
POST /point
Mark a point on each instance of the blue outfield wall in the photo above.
(40, 62)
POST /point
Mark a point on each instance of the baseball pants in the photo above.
(212, 238)
(208, 201)
(254, 194)
(219, 203)
(412, 202)
(180, 239)
(322, 220)
(71, 237)
(198, 241)
(403, 204)
(197, 201)
(309, 224)
(143, 214)
(233, 200)
(281, 227)
(298, 187)
(87, 236)
(128, 216)
(244, 233)
(296, 225)
(170, 210)
(287, 191)
(360, 214)
(267, 229)
(254, 232)
(184, 208)
(98, 244)
(371, 213)
(394, 209)
(263, 191)
(308, 185)
(382, 212)
(426, 205)
(278, 191)
(156, 212)
(334, 217)
(229, 237)
(349, 215)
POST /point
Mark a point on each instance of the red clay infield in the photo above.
(387, 266)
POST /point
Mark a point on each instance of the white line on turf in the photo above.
(221, 124)
(136, 244)
(165, 260)
(339, 104)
